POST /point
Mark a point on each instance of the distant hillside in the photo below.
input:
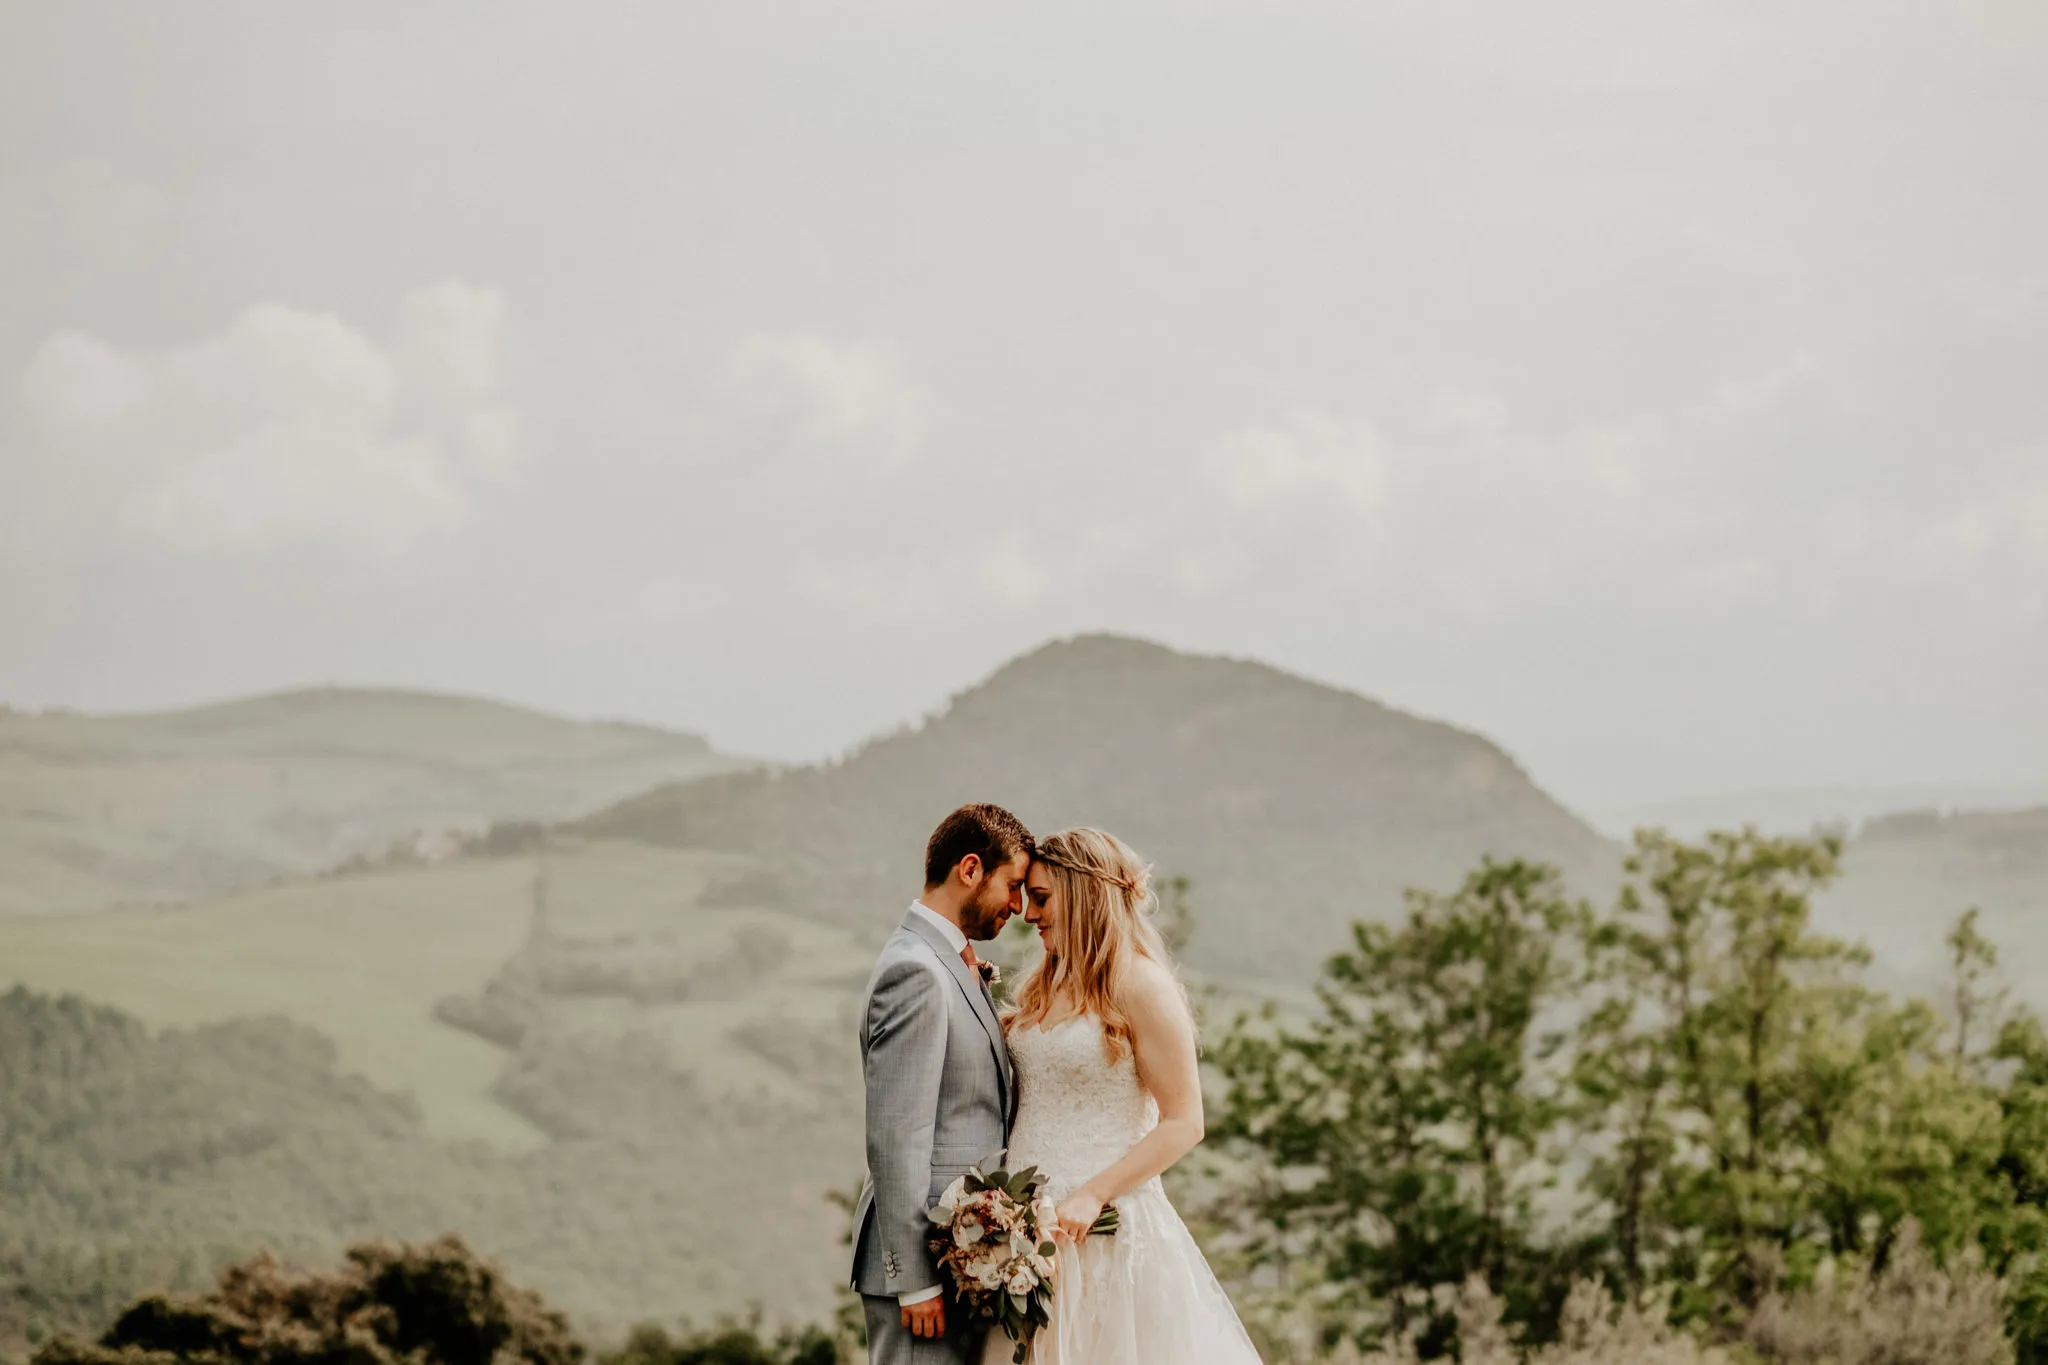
(1294, 807)
(623, 1059)
(97, 810)
(1907, 876)
(133, 1158)
(1801, 810)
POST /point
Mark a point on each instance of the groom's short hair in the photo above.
(990, 833)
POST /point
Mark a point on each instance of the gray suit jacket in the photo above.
(938, 1100)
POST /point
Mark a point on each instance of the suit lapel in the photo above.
(970, 986)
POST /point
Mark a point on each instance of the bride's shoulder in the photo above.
(1153, 988)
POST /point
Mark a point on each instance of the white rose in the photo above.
(942, 1212)
(1022, 1281)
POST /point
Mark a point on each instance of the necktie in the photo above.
(974, 965)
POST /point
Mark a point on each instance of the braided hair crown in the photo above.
(1094, 853)
(1046, 855)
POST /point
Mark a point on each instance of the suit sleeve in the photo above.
(906, 1058)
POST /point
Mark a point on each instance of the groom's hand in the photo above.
(927, 1319)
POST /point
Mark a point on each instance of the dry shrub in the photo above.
(1913, 1312)
(384, 1305)
(1594, 1331)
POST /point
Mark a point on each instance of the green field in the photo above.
(364, 959)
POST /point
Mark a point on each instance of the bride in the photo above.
(1103, 1043)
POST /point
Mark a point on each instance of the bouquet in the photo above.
(995, 1241)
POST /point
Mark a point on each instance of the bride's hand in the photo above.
(1077, 1214)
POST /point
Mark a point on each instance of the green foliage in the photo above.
(1729, 1109)
(401, 1305)
(1176, 915)
(731, 1343)
(1593, 1330)
(1754, 1101)
(1908, 1312)
(1404, 1129)
(132, 1160)
(384, 1305)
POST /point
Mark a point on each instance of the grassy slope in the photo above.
(364, 959)
(100, 810)
(361, 959)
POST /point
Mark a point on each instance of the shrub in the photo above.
(730, 1343)
(1594, 1330)
(384, 1305)
(1911, 1312)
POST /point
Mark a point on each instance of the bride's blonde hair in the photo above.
(1105, 890)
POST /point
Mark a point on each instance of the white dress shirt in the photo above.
(954, 938)
(958, 942)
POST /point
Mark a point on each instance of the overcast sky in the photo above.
(1660, 389)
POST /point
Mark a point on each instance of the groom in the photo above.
(938, 1079)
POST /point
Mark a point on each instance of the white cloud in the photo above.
(1306, 457)
(1764, 495)
(77, 381)
(449, 334)
(288, 427)
(848, 401)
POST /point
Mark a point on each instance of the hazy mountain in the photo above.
(1800, 810)
(1294, 807)
(96, 810)
(1906, 878)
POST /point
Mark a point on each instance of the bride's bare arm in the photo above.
(1163, 1044)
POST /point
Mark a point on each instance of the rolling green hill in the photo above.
(621, 1056)
(105, 810)
(377, 962)
(1294, 807)
(134, 1159)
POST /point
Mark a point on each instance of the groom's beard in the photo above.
(983, 921)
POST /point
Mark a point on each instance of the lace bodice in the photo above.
(1145, 1295)
(1077, 1111)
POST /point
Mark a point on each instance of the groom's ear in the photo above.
(968, 869)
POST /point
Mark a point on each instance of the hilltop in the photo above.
(101, 810)
(1294, 807)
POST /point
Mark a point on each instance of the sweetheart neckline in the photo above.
(1053, 1028)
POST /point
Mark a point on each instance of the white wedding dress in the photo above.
(1143, 1295)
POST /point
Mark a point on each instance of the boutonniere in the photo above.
(990, 973)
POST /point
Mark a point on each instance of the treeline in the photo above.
(131, 1158)
(400, 1305)
(1689, 1097)
(1679, 1123)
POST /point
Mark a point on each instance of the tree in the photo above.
(1752, 1105)
(1702, 1055)
(1398, 1137)
(731, 1343)
(384, 1305)
(1977, 1003)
